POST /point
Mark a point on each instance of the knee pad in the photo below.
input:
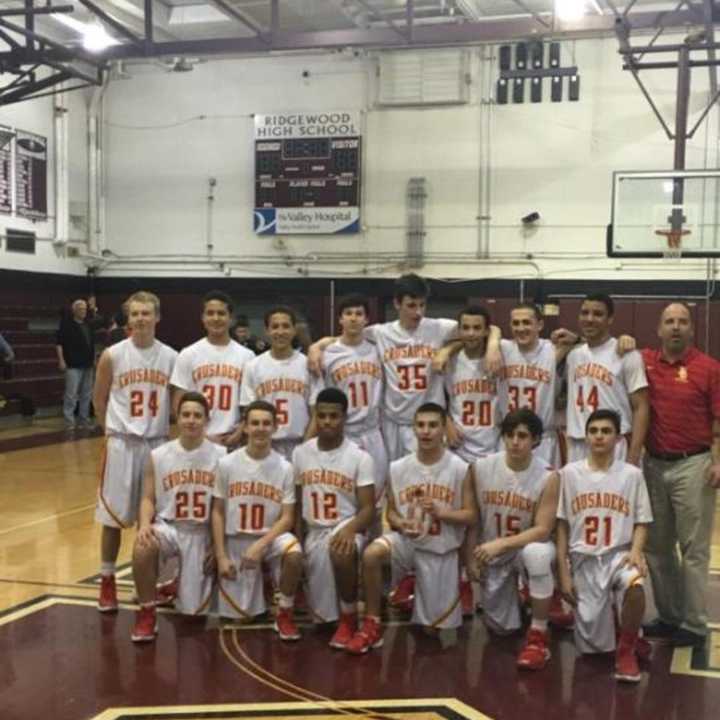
(537, 559)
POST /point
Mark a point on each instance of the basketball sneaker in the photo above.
(146, 627)
(368, 636)
(626, 662)
(467, 602)
(345, 630)
(403, 595)
(559, 616)
(166, 592)
(643, 649)
(285, 625)
(108, 594)
(535, 654)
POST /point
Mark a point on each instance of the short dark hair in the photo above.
(241, 321)
(604, 414)
(477, 310)
(220, 296)
(606, 300)
(353, 301)
(431, 407)
(530, 306)
(280, 309)
(263, 405)
(197, 397)
(412, 285)
(523, 416)
(333, 396)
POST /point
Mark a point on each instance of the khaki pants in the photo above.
(678, 547)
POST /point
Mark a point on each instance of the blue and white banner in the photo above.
(288, 221)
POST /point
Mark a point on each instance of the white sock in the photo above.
(286, 602)
(348, 608)
(539, 625)
(107, 568)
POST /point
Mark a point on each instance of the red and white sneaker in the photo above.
(347, 627)
(285, 625)
(403, 595)
(107, 602)
(535, 654)
(626, 662)
(467, 601)
(559, 616)
(146, 628)
(368, 636)
(165, 593)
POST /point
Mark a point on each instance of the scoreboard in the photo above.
(307, 173)
(23, 175)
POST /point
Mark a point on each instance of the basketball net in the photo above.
(673, 251)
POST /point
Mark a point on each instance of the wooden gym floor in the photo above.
(60, 658)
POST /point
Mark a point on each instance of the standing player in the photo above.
(280, 376)
(430, 504)
(603, 514)
(132, 404)
(175, 517)
(517, 494)
(252, 518)
(529, 374)
(598, 378)
(214, 367)
(473, 414)
(353, 365)
(336, 481)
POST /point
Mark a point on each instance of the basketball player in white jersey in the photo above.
(473, 414)
(252, 520)
(517, 494)
(132, 404)
(352, 364)
(529, 376)
(406, 347)
(430, 505)
(603, 514)
(280, 376)
(336, 482)
(214, 367)
(175, 517)
(598, 378)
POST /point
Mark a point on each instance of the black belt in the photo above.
(670, 456)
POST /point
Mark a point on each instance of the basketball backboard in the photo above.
(669, 213)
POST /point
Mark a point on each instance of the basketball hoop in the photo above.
(673, 251)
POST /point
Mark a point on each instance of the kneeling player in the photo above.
(253, 514)
(602, 515)
(430, 504)
(518, 495)
(337, 486)
(178, 485)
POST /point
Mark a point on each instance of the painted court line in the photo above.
(57, 516)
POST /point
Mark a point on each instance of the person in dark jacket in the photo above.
(75, 347)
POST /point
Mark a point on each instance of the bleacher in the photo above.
(33, 379)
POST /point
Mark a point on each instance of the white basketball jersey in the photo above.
(216, 371)
(599, 378)
(185, 480)
(602, 507)
(529, 380)
(507, 498)
(139, 402)
(357, 371)
(407, 356)
(473, 403)
(254, 491)
(285, 384)
(443, 483)
(329, 480)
